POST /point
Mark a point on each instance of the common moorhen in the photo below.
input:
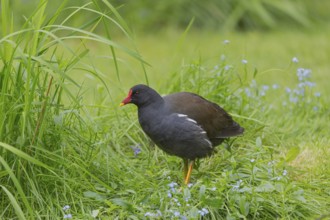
(182, 124)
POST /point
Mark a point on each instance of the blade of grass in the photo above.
(14, 203)
(17, 184)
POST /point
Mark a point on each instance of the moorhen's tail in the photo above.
(231, 131)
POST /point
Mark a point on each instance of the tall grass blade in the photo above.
(14, 203)
(18, 186)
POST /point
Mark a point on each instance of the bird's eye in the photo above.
(135, 92)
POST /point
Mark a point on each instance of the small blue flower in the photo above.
(190, 185)
(310, 84)
(299, 91)
(275, 86)
(252, 160)
(244, 61)
(303, 73)
(169, 195)
(285, 172)
(136, 149)
(287, 89)
(301, 85)
(238, 184)
(317, 94)
(248, 92)
(66, 207)
(176, 213)
(203, 212)
(226, 42)
(172, 184)
(294, 99)
(148, 214)
(214, 188)
(265, 87)
(184, 217)
(159, 213)
(315, 108)
(271, 163)
(295, 60)
(67, 216)
(253, 83)
(227, 67)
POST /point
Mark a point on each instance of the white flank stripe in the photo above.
(192, 120)
(209, 142)
(186, 116)
(203, 132)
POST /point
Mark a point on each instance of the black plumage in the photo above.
(182, 124)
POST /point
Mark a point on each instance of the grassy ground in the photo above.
(295, 130)
(68, 149)
(292, 137)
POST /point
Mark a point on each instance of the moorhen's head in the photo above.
(141, 95)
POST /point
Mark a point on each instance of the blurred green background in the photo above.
(241, 15)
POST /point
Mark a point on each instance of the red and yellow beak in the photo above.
(127, 99)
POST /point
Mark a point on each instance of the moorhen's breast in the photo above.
(175, 133)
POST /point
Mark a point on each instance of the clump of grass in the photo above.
(254, 186)
(48, 140)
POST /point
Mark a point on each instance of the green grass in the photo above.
(65, 141)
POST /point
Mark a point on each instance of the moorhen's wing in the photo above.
(211, 117)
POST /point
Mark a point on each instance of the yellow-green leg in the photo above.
(190, 164)
(185, 168)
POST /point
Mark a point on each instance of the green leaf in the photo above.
(122, 203)
(95, 213)
(201, 191)
(292, 154)
(299, 195)
(186, 193)
(214, 202)
(265, 187)
(94, 195)
(24, 155)
(255, 72)
(244, 206)
(258, 142)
